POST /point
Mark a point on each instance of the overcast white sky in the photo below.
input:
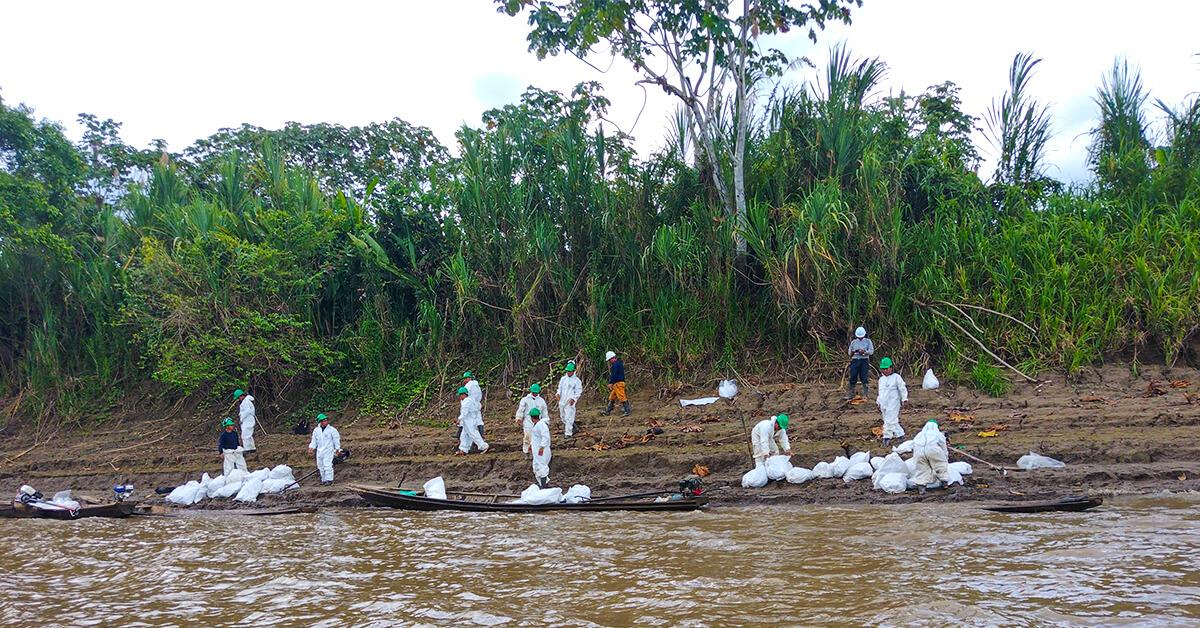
(180, 70)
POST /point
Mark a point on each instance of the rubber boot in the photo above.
(608, 410)
(849, 393)
(628, 409)
(543, 482)
(864, 390)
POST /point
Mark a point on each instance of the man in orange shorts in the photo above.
(616, 384)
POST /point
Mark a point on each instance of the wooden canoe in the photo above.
(494, 502)
(1066, 504)
(17, 510)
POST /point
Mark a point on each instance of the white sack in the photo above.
(63, 498)
(237, 476)
(798, 475)
(861, 456)
(860, 471)
(250, 490)
(1038, 461)
(259, 475)
(577, 494)
(184, 495)
(892, 483)
(703, 401)
(931, 382)
(838, 466)
(535, 496)
(962, 468)
(777, 467)
(728, 389)
(954, 477)
(215, 485)
(271, 486)
(229, 490)
(891, 464)
(435, 488)
(876, 461)
(822, 470)
(911, 465)
(280, 472)
(755, 478)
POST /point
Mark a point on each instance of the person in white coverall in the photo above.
(472, 385)
(247, 418)
(892, 394)
(539, 442)
(326, 442)
(570, 389)
(470, 419)
(227, 446)
(769, 438)
(529, 402)
(930, 456)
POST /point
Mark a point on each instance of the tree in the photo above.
(692, 50)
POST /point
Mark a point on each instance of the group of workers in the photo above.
(325, 444)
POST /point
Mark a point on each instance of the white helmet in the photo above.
(608, 356)
(860, 333)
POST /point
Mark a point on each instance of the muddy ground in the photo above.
(1118, 434)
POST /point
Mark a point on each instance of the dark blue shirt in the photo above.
(616, 372)
(229, 440)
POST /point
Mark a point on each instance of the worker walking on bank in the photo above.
(229, 449)
(616, 384)
(473, 391)
(539, 442)
(247, 418)
(861, 350)
(530, 402)
(930, 456)
(326, 443)
(892, 395)
(769, 438)
(470, 420)
(570, 389)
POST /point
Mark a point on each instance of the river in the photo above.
(1135, 561)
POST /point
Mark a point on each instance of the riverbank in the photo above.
(1118, 434)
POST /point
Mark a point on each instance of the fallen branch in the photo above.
(18, 456)
(983, 346)
(984, 309)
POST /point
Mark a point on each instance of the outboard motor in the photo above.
(122, 492)
(28, 495)
(691, 486)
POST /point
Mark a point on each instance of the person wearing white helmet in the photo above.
(861, 349)
(530, 402)
(570, 389)
(616, 384)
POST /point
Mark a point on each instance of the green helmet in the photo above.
(227, 422)
(885, 363)
(462, 390)
(238, 393)
(570, 367)
(535, 412)
(468, 375)
(782, 420)
(535, 389)
(934, 421)
(322, 417)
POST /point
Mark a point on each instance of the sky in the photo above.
(181, 70)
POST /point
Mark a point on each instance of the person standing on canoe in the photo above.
(892, 394)
(247, 417)
(861, 350)
(769, 438)
(229, 449)
(616, 384)
(539, 442)
(326, 443)
(570, 389)
(530, 402)
(469, 421)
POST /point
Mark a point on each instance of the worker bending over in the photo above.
(930, 456)
(769, 438)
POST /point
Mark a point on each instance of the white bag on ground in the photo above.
(63, 498)
(859, 471)
(838, 466)
(237, 476)
(876, 461)
(185, 494)
(436, 488)
(893, 463)
(755, 478)
(963, 468)
(280, 472)
(215, 485)
(911, 465)
(931, 382)
(1038, 461)
(777, 467)
(728, 389)
(259, 475)
(577, 494)
(822, 471)
(861, 456)
(535, 496)
(903, 448)
(954, 477)
(892, 482)
(798, 475)
(229, 490)
(250, 490)
(703, 401)
(271, 486)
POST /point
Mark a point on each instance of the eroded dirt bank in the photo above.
(1118, 434)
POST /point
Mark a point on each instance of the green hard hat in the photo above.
(462, 390)
(238, 393)
(535, 412)
(782, 420)
(570, 367)
(536, 388)
(227, 422)
(468, 375)
(885, 363)
(934, 421)
(322, 417)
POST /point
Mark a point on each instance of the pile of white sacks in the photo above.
(891, 473)
(534, 496)
(240, 485)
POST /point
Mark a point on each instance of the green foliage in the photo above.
(989, 379)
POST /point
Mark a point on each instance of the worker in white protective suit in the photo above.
(326, 443)
(530, 402)
(472, 385)
(769, 438)
(930, 456)
(892, 395)
(470, 419)
(570, 389)
(247, 418)
(229, 449)
(539, 442)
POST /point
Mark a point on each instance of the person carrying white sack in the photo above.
(930, 456)
(470, 419)
(892, 394)
(570, 389)
(326, 442)
(769, 438)
(528, 403)
(229, 449)
(539, 443)
(247, 418)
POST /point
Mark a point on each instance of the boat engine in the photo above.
(122, 491)
(691, 486)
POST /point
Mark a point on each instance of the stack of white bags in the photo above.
(240, 485)
(890, 474)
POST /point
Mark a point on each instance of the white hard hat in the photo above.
(860, 333)
(610, 355)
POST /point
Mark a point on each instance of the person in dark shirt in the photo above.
(616, 384)
(228, 447)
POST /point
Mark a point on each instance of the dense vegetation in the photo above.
(360, 265)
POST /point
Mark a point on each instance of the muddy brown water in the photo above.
(1134, 561)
